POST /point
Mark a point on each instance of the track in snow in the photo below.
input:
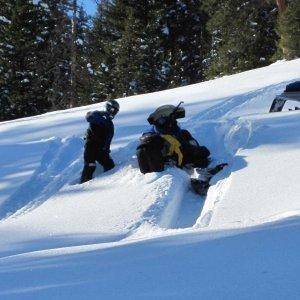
(173, 205)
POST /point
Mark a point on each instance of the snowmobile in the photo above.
(167, 144)
(291, 93)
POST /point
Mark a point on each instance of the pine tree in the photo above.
(56, 58)
(139, 55)
(163, 45)
(66, 58)
(185, 41)
(128, 57)
(289, 30)
(5, 21)
(22, 38)
(37, 70)
(144, 46)
(80, 75)
(243, 35)
(106, 31)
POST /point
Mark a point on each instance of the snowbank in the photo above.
(125, 234)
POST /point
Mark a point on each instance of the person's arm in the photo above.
(188, 138)
(108, 138)
(94, 117)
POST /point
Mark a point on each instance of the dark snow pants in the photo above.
(92, 153)
(198, 156)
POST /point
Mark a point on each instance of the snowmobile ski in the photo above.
(201, 184)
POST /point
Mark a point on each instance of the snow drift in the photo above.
(126, 234)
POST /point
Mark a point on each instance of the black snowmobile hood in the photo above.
(166, 111)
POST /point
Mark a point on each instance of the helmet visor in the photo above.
(112, 110)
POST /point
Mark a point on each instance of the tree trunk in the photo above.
(281, 6)
(73, 94)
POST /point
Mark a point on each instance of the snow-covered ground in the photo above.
(129, 235)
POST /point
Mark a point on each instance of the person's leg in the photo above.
(87, 172)
(105, 160)
(197, 156)
(89, 163)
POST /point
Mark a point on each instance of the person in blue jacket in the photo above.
(98, 139)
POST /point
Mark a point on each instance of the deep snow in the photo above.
(128, 235)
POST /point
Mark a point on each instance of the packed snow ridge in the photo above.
(149, 234)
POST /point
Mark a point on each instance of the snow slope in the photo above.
(128, 235)
(265, 183)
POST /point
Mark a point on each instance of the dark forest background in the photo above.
(53, 56)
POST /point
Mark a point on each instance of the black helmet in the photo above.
(112, 107)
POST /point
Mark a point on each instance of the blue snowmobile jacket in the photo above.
(101, 129)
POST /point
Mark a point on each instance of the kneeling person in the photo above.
(167, 141)
(98, 140)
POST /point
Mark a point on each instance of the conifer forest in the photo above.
(54, 56)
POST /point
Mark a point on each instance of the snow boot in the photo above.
(87, 172)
